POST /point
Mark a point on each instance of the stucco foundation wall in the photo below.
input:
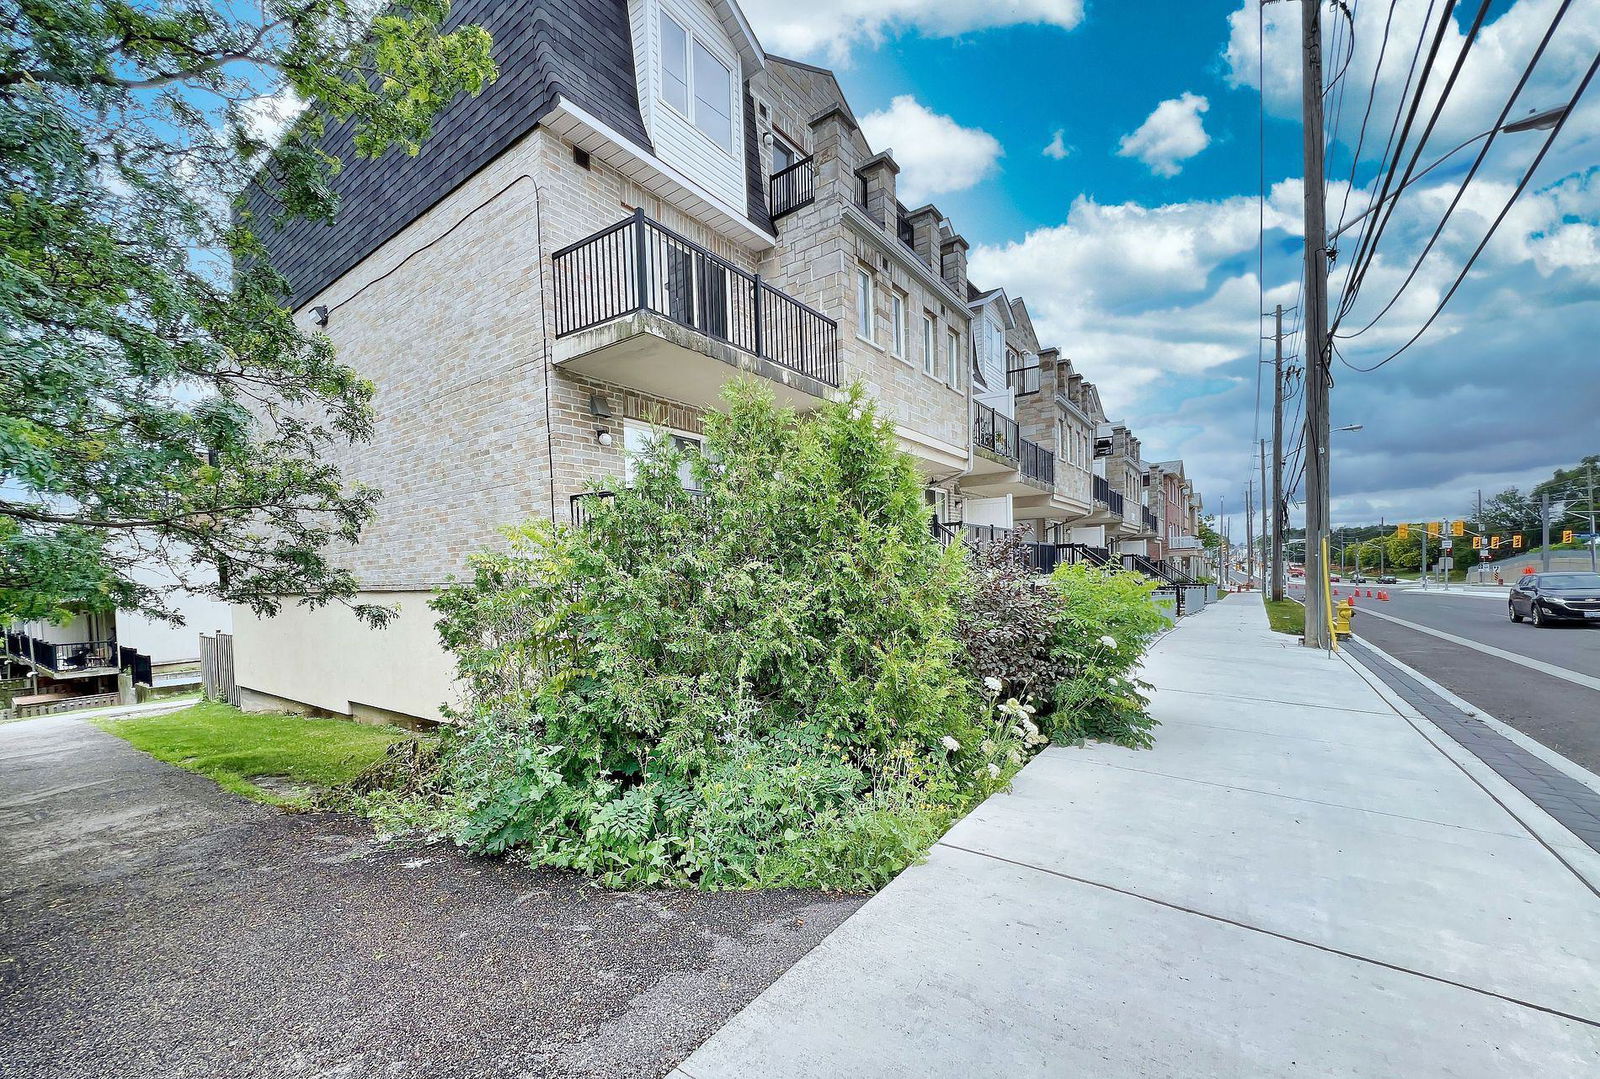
(325, 658)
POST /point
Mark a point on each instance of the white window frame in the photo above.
(866, 301)
(952, 368)
(632, 429)
(691, 39)
(930, 347)
(897, 305)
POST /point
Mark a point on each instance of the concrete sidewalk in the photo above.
(1295, 882)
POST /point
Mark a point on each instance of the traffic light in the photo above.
(1516, 543)
(1458, 528)
(1494, 543)
(1566, 537)
(1433, 529)
(1402, 531)
(1477, 541)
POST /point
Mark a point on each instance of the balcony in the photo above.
(638, 305)
(1007, 463)
(1184, 543)
(1149, 519)
(77, 659)
(792, 188)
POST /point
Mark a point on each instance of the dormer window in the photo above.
(696, 83)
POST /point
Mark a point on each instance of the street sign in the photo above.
(1447, 543)
(1446, 564)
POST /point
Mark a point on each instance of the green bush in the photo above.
(1008, 623)
(1105, 624)
(754, 685)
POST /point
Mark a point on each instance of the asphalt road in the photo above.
(1557, 713)
(152, 924)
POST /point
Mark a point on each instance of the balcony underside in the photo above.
(66, 674)
(994, 475)
(655, 355)
(1049, 507)
(936, 458)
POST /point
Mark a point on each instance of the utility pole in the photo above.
(1266, 527)
(1315, 317)
(1483, 538)
(1277, 454)
(1592, 567)
(1544, 528)
(1249, 532)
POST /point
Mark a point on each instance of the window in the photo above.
(674, 64)
(864, 304)
(953, 367)
(930, 356)
(898, 304)
(713, 97)
(783, 155)
(638, 438)
(703, 92)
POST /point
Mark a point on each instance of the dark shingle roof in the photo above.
(579, 49)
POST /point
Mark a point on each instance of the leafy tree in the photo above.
(161, 406)
(1210, 538)
(1509, 511)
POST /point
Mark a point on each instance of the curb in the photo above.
(1566, 846)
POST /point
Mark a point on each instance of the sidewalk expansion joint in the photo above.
(1309, 801)
(1572, 804)
(1273, 700)
(1326, 948)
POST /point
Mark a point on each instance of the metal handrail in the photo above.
(791, 188)
(639, 265)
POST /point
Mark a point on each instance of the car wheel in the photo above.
(1539, 619)
(1515, 617)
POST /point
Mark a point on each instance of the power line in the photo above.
(1477, 163)
(1386, 213)
(1527, 176)
(1366, 116)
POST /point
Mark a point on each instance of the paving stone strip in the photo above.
(1574, 804)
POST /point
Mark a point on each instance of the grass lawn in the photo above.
(234, 747)
(1286, 616)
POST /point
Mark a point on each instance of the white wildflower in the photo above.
(987, 747)
(1109, 641)
(1014, 757)
(950, 743)
(1030, 709)
(992, 684)
(994, 771)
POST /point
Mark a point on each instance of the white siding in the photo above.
(677, 141)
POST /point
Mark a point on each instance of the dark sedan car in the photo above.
(1556, 597)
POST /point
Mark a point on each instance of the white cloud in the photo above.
(268, 117)
(1171, 134)
(1503, 49)
(1057, 148)
(1158, 306)
(936, 155)
(832, 28)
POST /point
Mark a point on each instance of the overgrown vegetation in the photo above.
(234, 747)
(778, 679)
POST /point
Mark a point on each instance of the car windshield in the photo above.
(1570, 580)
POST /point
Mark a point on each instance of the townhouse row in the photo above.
(642, 207)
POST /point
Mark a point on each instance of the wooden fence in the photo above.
(216, 668)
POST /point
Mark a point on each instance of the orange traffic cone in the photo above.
(1384, 596)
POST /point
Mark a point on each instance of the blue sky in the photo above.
(1136, 248)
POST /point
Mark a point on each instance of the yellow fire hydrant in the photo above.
(1343, 615)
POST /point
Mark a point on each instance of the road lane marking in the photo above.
(1551, 669)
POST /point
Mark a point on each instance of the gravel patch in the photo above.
(153, 924)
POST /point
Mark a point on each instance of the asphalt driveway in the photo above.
(152, 924)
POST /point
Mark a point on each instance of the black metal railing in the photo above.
(1140, 564)
(580, 507)
(1104, 493)
(640, 265)
(904, 229)
(945, 532)
(995, 432)
(1038, 557)
(791, 188)
(64, 656)
(1038, 463)
(1024, 379)
(1150, 521)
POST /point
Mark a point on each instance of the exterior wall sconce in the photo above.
(602, 436)
(321, 314)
